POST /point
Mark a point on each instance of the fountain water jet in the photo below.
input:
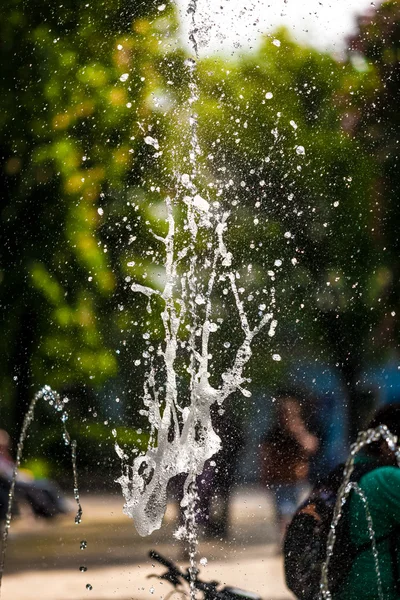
(183, 445)
(182, 439)
(54, 400)
(364, 439)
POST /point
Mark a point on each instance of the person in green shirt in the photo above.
(381, 486)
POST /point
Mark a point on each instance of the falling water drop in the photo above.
(150, 141)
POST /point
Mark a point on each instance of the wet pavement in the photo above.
(44, 558)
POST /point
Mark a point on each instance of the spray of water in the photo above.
(55, 401)
(182, 438)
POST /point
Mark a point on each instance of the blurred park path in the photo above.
(44, 558)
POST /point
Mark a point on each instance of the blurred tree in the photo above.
(374, 121)
(371, 118)
(77, 83)
(301, 187)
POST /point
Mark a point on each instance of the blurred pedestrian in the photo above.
(285, 458)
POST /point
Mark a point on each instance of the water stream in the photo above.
(56, 402)
(182, 436)
(364, 439)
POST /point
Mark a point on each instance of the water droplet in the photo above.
(227, 344)
(190, 62)
(276, 357)
(83, 569)
(161, 7)
(150, 141)
(276, 43)
(287, 235)
(293, 124)
(124, 77)
(100, 211)
(201, 203)
(89, 586)
(300, 150)
(151, 590)
(278, 262)
(269, 95)
(203, 561)
(83, 545)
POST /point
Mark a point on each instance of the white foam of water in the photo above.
(182, 439)
(182, 445)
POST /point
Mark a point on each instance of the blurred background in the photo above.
(302, 143)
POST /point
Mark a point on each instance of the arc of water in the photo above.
(364, 439)
(54, 400)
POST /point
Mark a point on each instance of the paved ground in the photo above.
(43, 559)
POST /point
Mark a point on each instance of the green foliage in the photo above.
(375, 122)
(311, 211)
(69, 127)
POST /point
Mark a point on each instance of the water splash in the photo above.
(364, 439)
(182, 445)
(54, 400)
(182, 438)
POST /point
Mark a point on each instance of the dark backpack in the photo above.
(306, 539)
